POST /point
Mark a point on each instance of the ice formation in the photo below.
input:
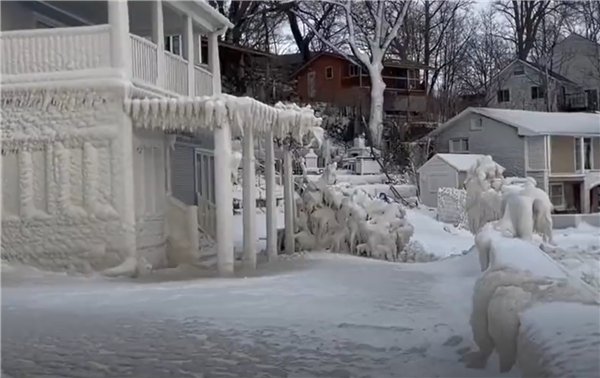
(519, 276)
(334, 216)
(491, 197)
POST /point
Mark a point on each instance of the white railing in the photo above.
(55, 50)
(207, 217)
(176, 74)
(203, 85)
(145, 59)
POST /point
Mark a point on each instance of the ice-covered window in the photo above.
(329, 72)
(537, 92)
(557, 195)
(504, 95)
(459, 146)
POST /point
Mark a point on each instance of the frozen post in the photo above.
(118, 18)
(224, 199)
(249, 199)
(271, 200)
(158, 37)
(188, 46)
(288, 190)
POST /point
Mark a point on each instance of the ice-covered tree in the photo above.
(371, 26)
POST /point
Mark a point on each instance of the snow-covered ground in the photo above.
(318, 315)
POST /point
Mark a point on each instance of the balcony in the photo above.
(62, 51)
(579, 102)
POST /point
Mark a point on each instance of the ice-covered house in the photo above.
(91, 99)
(561, 151)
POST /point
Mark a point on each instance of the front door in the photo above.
(205, 190)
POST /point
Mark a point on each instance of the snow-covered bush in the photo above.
(344, 219)
(451, 205)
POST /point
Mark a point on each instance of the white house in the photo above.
(444, 171)
(90, 99)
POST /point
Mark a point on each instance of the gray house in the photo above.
(567, 81)
(561, 151)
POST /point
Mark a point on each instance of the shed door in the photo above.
(433, 182)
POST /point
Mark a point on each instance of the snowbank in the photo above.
(518, 280)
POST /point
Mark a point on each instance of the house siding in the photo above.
(15, 16)
(327, 90)
(579, 60)
(563, 154)
(520, 90)
(496, 139)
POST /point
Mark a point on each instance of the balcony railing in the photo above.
(39, 51)
(580, 101)
(55, 50)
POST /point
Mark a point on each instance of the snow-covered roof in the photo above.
(460, 162)
(536, 123)
(209, 112)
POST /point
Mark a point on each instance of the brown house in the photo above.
(333, 79)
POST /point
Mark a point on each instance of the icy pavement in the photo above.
(318, 315)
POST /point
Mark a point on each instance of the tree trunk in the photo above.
(376, 111)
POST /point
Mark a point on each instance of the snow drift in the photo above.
(345, 219)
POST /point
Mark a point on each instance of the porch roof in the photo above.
(210, 112)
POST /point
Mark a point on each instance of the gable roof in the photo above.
(532, 65)
(529, 123)
(387, 63)
(577, 36)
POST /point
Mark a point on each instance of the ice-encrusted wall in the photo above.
(149, 167)
(66, 186)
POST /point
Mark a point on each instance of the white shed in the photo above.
(443, 171)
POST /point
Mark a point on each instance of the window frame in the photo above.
(503, 99)
(353, 67)
(462, 151)
(519, 71)
(476, 123)
(327, 77)
(553, 196)
(537, 92)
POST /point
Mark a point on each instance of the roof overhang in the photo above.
(210, 19)
(207, 113)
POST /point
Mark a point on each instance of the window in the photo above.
(173, 44)
(537, 93)
(587, 153)
(519, 71)
(504, 95)
(328, 72)
(353, 70)
(476, 123)
(312, 84)
(459, 146)
(557, 195)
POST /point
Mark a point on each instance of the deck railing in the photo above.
(55, 50)
(176, 74)
(145, 59)
(39, 51)
(202, 82)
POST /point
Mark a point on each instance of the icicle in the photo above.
(145, 105)
(209, 113)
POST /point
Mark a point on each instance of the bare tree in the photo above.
(371, 26)
(525, 18)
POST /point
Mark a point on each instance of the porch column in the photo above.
(224, 200)
(271, 198)
(289, 200)
(118, 18)
(188, 46)
(158, 37)
(581, 153)
(213, 62)
(249, 199)
(585, 198)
